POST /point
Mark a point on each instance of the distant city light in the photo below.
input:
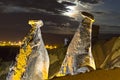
(19, 43)
(50, 46)
(9, 43)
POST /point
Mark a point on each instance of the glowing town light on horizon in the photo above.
(50, 47)
(19, 43)
(9, 43)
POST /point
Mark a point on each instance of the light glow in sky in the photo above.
(72, 12)
(75, 11)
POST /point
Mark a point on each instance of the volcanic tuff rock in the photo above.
(79, 56)
(32, 63)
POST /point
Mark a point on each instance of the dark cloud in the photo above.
(99, 12)
(83, 1)
(48, 5)
(91, 1)
(66, 27)
(58, 30)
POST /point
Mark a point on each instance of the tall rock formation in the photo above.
(79, 56)
(32, 63)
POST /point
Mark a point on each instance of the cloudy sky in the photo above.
(59, 16)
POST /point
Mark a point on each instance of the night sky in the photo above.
(59, 16)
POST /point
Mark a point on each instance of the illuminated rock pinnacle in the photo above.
(79, 57)
(32, 63)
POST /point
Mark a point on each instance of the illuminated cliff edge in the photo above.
(79, 57)
(32, 63)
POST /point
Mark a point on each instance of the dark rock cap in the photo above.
(88, 15)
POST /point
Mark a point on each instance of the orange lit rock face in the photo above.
(35, 23)
(21, 63)
(32, 63)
